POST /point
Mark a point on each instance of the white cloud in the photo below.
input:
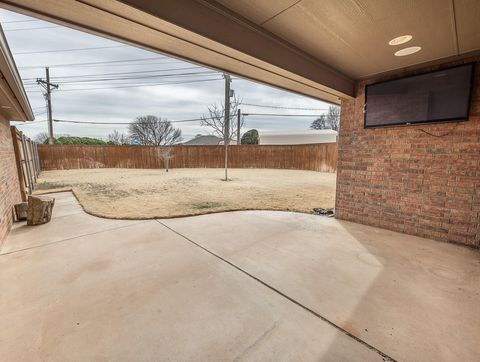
(172, 101)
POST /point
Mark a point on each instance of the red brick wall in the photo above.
(403, 179)
(9, 186)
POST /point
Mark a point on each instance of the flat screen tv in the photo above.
(439, 96)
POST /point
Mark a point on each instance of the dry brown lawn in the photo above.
(144, 194)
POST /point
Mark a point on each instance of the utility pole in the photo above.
(48, 95)
(239, 117)
(226, 131)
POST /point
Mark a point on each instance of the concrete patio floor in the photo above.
(249, 285)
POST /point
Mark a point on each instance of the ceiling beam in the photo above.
(215, 22)
(14, 104)
(200, 31)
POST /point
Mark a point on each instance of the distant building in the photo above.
(200, 140)
(296, 137)
(232, 142)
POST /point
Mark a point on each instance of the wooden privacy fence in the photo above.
(28, 163)
(316, 157)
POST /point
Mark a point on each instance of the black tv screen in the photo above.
(438, 96)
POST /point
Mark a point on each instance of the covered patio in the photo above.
(416, 178)
(249, 285)
(395, 276)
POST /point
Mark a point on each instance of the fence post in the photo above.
(33, 146)
(34, 158)
(26, 163)
(37, 158)
(18, 161)
(31, 160)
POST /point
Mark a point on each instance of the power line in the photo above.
(117, 73)
(280, 115)
(120, 85)
(151, 76)
(127, 123)
(105, 63)
(30, 123)
(280, 107)
(106, 123)
(191, 74)
(70, 50)
(166, 60)
(108, 64)
(19, 21)
(135, 72)
(41, 27)
(133, 86)
(119, 123)
(172, 121)
(129, 82)
(129, 85)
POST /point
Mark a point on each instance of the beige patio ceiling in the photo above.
(353, 35)
(316, 48)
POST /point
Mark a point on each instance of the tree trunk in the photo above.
(21, 211)
(39, 209)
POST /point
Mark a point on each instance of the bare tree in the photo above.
(117, 138)
(333, 117)
(329, 120)
(166, 154)
(41, 137)
(215, 119)
(153, 131)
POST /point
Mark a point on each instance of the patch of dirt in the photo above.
(49, 186)
(143, 194)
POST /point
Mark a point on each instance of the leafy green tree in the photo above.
(71, 140)
(250, 137)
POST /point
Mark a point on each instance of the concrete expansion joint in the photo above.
(68, 239)
(294, 301)
(262, 337)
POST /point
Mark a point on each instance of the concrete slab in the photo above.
(143, 293)
(67, 209)
(67, 206)
(62, 196)
(68, 221)
(242, 285)
(405, 295)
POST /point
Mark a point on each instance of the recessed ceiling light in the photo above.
(6, 107)
(407, 51)
(400, 40)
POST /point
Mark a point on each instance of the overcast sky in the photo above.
(143, 88)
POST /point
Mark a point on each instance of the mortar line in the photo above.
(71, 238)
(294, 301)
